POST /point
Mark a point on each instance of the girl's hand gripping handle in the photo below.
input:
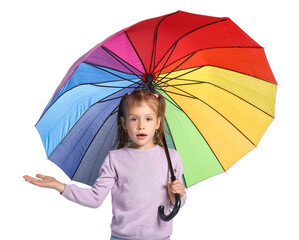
(174, 211)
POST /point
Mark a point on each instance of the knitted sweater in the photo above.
(137, 179)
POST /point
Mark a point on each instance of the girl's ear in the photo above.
(123, 122)
(158, 123)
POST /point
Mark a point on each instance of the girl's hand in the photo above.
(45, 182)
(175, 187)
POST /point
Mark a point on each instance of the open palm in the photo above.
(45, 181)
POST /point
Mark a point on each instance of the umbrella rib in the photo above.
(193, 53)
(100, 68)
(100, 101)
(154, 48)
(116, 58)
(227, 92)
(129, 87)
(113, 112)
(122, 89)
(206, 25)
(174, 68)
(177, 61)
(110, 86)
(95, 66)
(167, 60)
(170, 135)
(77, 122)
(154, 51)
(93, 84)
(176, 105)
(191, 70)
(197, 68)
(167, 91)
(202, 82)
(110, 81)
(136, 52)
(214, 110)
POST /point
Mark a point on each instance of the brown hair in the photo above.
(135, 98)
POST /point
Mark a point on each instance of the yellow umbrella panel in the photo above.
(215, 117)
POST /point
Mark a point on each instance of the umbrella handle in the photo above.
(174, 211)
(177, 196)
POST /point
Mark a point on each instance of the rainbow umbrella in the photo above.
(219, 90)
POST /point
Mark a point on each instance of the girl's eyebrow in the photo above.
(149, 114)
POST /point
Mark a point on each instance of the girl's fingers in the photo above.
(32, 180)
(25, 177)
(40, 176)
(35, 183)
(176, 186)
(28, 178)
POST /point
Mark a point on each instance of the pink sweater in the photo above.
(137, 179)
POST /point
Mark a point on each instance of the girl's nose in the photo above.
(141, 125)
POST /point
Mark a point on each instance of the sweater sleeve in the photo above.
(179, 175)
(94, 196)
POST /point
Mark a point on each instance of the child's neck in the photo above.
(142, 147)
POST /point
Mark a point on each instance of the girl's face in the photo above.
(141, 123)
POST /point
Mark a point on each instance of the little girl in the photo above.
(137, 173)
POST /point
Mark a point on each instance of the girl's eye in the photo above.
(134, 119)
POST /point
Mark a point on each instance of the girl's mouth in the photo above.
(141, 136)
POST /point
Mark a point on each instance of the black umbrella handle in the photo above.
(176, 195)
(174, 211)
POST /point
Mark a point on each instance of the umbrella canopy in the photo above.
(219, 90)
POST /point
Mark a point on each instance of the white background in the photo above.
(256, 199)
